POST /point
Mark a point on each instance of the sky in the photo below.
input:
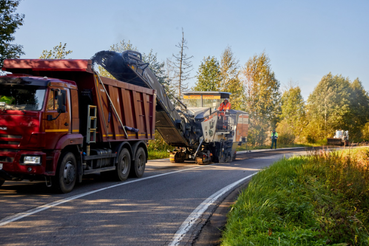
(304, 40)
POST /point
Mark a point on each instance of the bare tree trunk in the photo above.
(180, 67)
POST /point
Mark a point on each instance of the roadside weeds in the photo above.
(318, 199)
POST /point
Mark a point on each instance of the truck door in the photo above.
(56, 124)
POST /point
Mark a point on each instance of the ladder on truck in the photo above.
(91, 124)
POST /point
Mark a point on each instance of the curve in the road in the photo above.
(197, 213)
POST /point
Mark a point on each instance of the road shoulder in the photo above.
(211, 233)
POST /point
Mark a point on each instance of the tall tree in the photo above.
(293, 116)
(181, 67)
(58, 52)
(262, 96)
(328, 107)
(208, 75)
(359, 113)
(9, 22)
(230, 81)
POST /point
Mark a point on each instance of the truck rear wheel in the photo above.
(124, 164)
(138, 167)
(66, 175)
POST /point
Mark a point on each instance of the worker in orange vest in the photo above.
(225, 106)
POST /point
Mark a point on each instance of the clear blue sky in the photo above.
(304, 40)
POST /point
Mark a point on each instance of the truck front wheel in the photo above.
(124, 164)
(66, 174)
(139, 164)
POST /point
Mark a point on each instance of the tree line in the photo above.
(336, 102)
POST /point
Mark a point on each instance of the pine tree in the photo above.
(181, 67)
(208, 75)
(9, 22)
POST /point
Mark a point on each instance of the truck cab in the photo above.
(35, 114)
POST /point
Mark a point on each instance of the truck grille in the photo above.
(10, 139)
(9, 142)
(6, 159)
(10, 136)
(8, 150)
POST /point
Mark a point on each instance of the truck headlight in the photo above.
(32, 160)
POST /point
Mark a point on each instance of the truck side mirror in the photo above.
(62, 101)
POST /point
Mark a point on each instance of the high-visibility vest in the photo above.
(225, 107)
(275, 135)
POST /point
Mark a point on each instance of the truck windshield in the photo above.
(22, 97)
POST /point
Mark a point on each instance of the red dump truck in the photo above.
(60, 121)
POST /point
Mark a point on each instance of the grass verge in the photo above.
(248, 147)
(318, 199)
(158, 154)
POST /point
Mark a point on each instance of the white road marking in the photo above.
(195, 215)
(19, 216)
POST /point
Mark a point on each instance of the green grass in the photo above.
(158, 154)
(313, 200)
(279, 146)
(158, 148)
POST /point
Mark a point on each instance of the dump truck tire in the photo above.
(138, 166)
(123, 165)
(66, 174)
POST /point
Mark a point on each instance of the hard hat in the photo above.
(226, 99)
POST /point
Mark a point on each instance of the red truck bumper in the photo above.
(12, 164)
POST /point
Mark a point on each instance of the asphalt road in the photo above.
(169, 205)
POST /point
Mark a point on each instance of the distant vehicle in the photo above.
(340, 138)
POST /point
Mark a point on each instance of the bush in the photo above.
(158, 148)
(158, 144)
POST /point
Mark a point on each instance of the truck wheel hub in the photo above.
(69, 173)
